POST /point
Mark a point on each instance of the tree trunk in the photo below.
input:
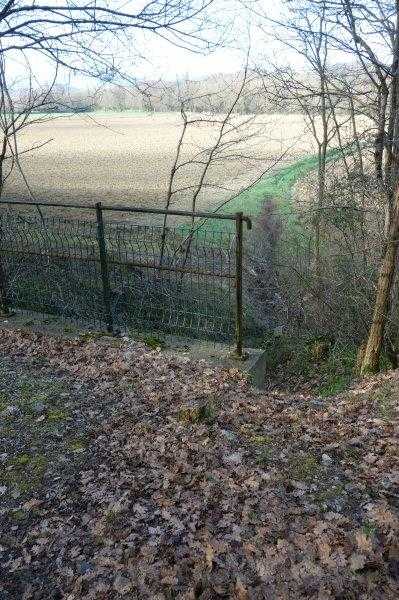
(379, 139)
(371, 358)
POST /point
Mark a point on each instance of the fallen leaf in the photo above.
(364, 543)
(209, 555)
(122, 585)
(357, 562)
(34, 503)
(241, 593)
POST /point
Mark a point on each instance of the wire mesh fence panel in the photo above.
(171, 282)
(51, 266)
(164, 280)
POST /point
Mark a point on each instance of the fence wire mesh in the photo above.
(159, 280)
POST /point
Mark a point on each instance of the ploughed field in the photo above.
(127, 159)
(159, 278)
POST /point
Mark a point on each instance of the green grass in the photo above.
(291, 358)
(204, 413)
(385, 401)
(153, 342)
(25, 472)
(273, 186)
(335, 384)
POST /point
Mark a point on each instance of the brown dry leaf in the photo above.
(241, 592)
(34, 503)
(384, 517)
(324, 550)
(209, 556)
(122, 585)
(364, 543)
(357, 561)
(394, 551)
(320, 528)
(169, 580)
(156, 520)
(249, 548)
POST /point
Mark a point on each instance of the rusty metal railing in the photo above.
(71, 267)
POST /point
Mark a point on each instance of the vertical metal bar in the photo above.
(104, 268)
(239, 305)
(4, 308)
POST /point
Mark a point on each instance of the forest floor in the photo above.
(132, 473)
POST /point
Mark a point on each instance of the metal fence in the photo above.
(124, 276)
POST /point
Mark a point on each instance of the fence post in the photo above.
(239, 305)
(104, 268)
(4, 308)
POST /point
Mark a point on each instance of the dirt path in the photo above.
(129, 473)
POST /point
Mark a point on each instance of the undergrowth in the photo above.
(320, 364)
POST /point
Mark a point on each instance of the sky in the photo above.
(160, 59)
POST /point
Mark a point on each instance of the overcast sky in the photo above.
(161, 59)
(152, 57)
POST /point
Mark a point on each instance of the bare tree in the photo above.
(18, 110)
(230, 135)
(66, 30)
(371, 31)
(367, 34)
(88, 37)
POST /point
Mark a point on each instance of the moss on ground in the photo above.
(56, 414)
(43, 410)
(25, 472)
(18, 515)
(386, 402)
(77, 445)
(304, 467)
(205, 413)
(330, 492)
(4, 400)
(153, 342)
(264, 456)
(31, 389)
(261, 440)
(91, 336)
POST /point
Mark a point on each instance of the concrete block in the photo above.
(253, 364)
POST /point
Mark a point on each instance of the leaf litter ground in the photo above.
(132, 473)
